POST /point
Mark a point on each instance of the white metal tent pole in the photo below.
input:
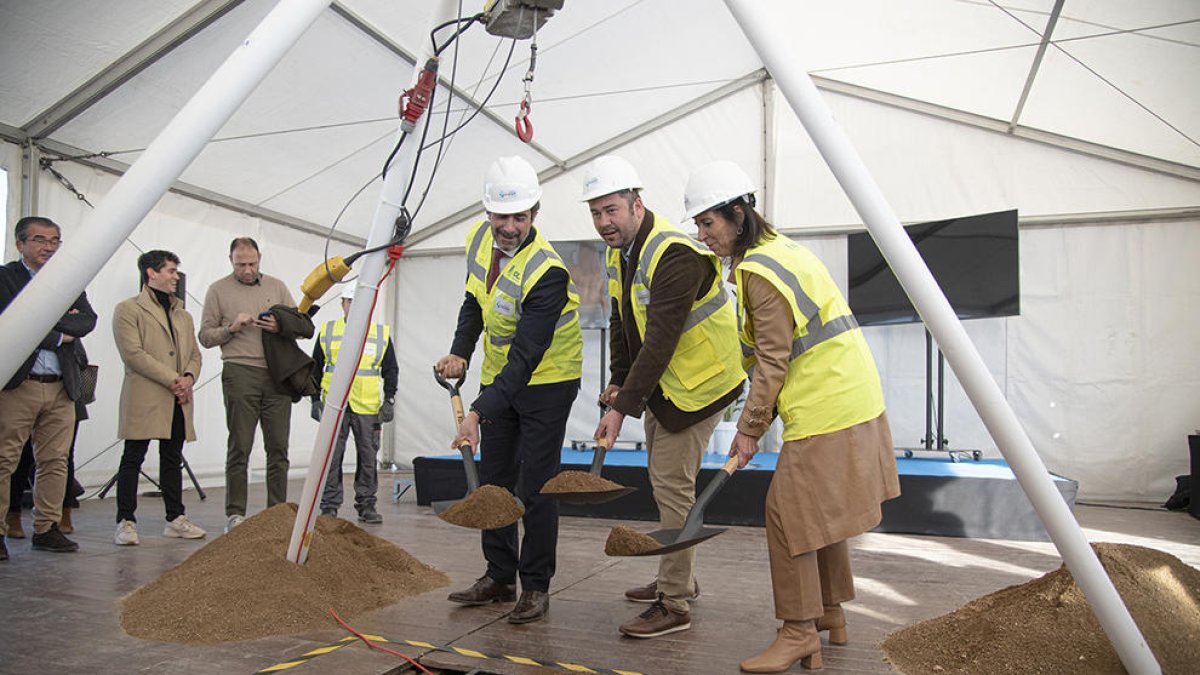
(36, 309)
(785, 66)
(357, 322)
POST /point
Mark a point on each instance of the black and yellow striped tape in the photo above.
(524, 660)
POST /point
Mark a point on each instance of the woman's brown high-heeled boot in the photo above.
(64, 524)
(796, 641)
(15, 531)
(834, 621)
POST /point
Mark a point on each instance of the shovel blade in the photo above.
(593, 497)
(438, 507)
(671, 541)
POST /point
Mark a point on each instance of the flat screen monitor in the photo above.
(973, 259)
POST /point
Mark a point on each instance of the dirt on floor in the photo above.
(1046, 625)
(241, 586)
(487, 508)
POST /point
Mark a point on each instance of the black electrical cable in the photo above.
(484, 102)
(469, 21)
(388, 162)
(442, 146)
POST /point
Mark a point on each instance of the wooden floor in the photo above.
(60, 610)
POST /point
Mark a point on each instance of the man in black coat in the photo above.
(38, 401)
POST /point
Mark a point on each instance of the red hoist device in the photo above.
(521, 19)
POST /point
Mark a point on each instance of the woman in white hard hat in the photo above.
(812, 365)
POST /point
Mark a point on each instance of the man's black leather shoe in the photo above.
(484, 591)
(532, 606)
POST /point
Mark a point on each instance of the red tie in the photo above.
(494, 272)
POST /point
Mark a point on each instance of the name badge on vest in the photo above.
(643, 296)
(504, 306)
(369, 349)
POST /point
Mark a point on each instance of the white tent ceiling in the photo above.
(1118, 79)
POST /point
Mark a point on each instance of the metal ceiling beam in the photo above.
(608, 146)
(1162, 166)
(123, 69)
(114, 167)
(1037, 63)
(369, 29)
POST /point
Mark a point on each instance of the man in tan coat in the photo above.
(157, 341)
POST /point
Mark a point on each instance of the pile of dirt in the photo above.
(578, 482)
(626, 541)
(1046, 625)
(487, 508)
(241, 586)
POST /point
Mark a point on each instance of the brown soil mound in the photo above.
(578, 482)
(1046, 625)
(241, 585)
(625, 541)
(487, 508)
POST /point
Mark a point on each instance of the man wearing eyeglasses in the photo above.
(39, 399)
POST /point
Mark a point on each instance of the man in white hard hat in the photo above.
(675, 359)
(520, 298)
(370, 403)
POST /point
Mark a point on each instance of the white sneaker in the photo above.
(233, 522)
(182, 528)
(126, 533)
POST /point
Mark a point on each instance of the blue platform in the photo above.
(939, 496)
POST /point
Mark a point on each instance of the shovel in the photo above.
(593, 496)
(469, 465)
(693, 531)
(468, 454)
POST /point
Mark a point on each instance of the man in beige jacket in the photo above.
(157, 341)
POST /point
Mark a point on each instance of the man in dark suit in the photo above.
(38, 401)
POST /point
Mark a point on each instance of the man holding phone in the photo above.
(236, 313)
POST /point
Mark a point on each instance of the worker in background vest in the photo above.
(813, 365)
(675, 358)
(371, 403)
(522, 302)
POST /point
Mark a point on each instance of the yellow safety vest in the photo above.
(501, 307)
(832, 383)
(705, 364)
(366, 390)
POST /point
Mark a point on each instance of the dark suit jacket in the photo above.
(290, 367)
(13, 278)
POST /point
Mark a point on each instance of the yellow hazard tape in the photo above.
(524, 660)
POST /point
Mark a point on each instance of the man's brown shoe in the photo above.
(484, 591)
(15, 531)
(532, 606)
(657, 620)
(649, 592)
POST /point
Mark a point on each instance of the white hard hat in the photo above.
(609, 174)
(714, 184)
(511, 186)
(348, 292)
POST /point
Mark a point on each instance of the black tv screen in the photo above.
(973, 259)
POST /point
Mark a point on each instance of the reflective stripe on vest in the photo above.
(832, 382)
(818, 331)
(705, 364)
(328, 338)
(501, 307)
